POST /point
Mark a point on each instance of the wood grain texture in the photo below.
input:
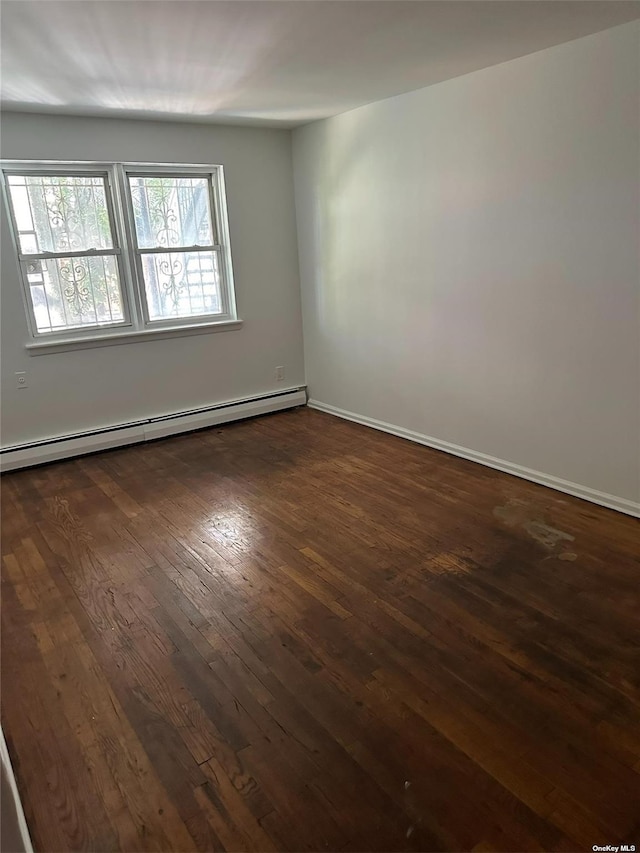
(295, 633)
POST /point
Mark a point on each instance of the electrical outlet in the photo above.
(21, 379)
(279, 374)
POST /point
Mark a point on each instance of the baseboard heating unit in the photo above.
(119, 435)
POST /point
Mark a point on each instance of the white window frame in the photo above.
(136, 324)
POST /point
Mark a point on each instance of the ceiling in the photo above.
(265, 62)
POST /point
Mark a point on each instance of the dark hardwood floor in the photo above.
(295, 633)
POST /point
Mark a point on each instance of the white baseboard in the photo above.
(13, 811)
(161, 427)
(118, 435)
(578, 491)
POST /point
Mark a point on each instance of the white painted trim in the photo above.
(119, 435)
(66, 448)
(578, 491)
(130, 336)
(22, 822)
(198, 420)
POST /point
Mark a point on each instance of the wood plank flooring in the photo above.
(296, 633)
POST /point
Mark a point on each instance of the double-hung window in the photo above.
(69, 253)
(120, 249)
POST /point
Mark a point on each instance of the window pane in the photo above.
(171, 211)
(182, 284)
(70, 293)
(60, 213)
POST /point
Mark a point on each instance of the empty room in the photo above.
(320, 437)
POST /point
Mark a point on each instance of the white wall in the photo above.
(469, 261)
(73, 391)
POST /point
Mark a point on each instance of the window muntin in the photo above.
(67, 250)
(74, 234)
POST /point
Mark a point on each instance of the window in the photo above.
(120, 249)
(68, 254)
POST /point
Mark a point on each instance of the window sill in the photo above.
(130, 337)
